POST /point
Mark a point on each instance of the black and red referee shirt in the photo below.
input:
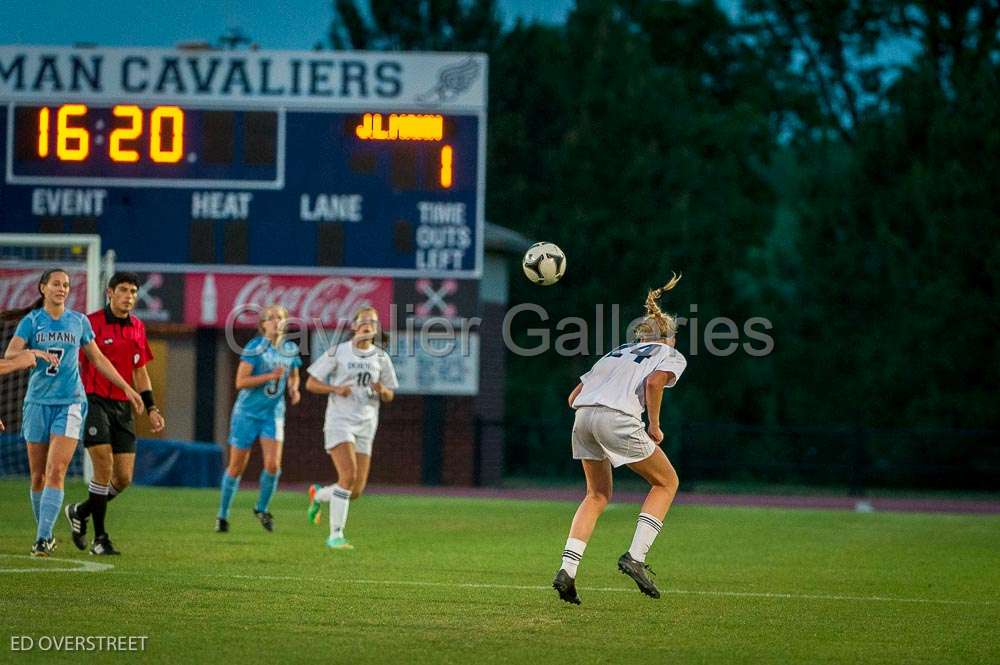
(124, 342)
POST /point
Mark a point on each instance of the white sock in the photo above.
(572, 555)
(340, 501)
(647, 528)
(325, 493)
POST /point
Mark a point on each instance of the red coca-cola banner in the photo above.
(19, 288)
(211, 299)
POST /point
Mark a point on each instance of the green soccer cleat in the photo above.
(315, 511)
(338, 543)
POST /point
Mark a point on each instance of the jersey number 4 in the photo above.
(640, 352)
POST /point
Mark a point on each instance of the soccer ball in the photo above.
(544, 263)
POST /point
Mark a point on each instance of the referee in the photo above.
(109, 435)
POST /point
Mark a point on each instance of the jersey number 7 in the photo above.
(58, 353)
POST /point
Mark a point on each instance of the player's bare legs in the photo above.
(599, 483)
(345, 461)
(37, 454)
(271, 449)
(103, 461)
(238, 458)
(48, 464)
(363, 464)
(61, 449)
(662, 478)
(122, 472)
(663, 481)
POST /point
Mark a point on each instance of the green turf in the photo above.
(466, 581)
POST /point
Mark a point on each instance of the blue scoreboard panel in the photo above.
(353, 162)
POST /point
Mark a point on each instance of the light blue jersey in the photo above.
(266, 401)
(62, 337)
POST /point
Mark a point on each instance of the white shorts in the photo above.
(601, 433)
(360, 434)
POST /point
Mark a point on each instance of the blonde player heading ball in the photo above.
(609, 401)
(356, 376)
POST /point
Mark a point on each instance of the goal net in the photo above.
(23, 259)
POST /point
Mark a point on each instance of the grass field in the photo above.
(459, 580)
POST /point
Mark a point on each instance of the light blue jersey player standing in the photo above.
(268, 368)
(55, 406)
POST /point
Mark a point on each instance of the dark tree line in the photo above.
(833, 167)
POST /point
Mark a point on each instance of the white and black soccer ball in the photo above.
(544, 263)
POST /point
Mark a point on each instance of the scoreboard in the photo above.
(295, 162)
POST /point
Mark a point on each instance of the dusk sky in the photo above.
(289, 25)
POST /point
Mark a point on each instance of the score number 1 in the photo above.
(73, 142)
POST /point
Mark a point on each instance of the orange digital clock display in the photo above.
(159, 134)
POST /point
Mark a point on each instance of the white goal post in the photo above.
(23, 259)
(87, 244)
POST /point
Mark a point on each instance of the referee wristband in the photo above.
(147, 399)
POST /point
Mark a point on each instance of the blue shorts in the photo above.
(244, 430)
(40, 422)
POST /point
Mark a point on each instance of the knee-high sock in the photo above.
(268, 484)
(48, 511)
(340, 501)
(85, 508)
(647, 528)
(229, 486)
(325, 493)
(572, 555)
(97, 504)
(36, 502)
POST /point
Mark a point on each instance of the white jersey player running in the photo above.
(608, 432)
(357, 376)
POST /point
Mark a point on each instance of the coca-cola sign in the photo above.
(19, 288)
(212, 299)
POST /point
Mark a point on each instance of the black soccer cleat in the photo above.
(221, 525)
(43, 547)
(637, 571)
(566, 586)
(102, 546)
(266, 519)
(77, 526)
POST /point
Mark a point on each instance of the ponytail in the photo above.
(656, 324)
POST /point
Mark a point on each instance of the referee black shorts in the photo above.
(109, 421)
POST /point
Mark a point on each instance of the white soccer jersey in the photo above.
(344, 364)
(618, 380)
